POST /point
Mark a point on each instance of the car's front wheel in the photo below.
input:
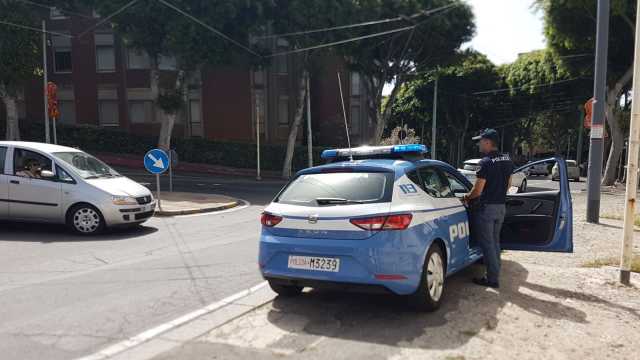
(429, 294)
(85, 219)
(285, 290)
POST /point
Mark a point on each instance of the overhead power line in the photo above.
(366, 23)
(33, 28)
(123, 8)
(208, 27)
(493, 91)
(57, 8)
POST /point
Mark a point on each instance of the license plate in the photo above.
(314, 263)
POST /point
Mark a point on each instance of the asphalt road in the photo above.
(63, 296)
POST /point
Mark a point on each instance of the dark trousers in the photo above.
(486, 224)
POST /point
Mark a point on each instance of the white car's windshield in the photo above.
(87, 166)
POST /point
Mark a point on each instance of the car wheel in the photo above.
(285, 290)
(523, 186)
(429, 294)
(85, 219)
(576, 179)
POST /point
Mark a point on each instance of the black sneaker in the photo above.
(484, 282)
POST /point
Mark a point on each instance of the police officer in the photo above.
(486, 203)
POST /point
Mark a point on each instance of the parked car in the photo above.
(471, 166)
(573, 171)
(392, 223)
(57, 184)
(539, 169)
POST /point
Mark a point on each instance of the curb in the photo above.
(167, 213)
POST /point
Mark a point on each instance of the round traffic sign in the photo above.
(156, 161)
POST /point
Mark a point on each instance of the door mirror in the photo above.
(46, 174)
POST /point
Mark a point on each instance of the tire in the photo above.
(576, 179)
(523, 186)
(428, 297)
(85, 219)
(285, 290)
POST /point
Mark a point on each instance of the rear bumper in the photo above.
(364, 264)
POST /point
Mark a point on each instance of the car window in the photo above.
(338, 188)
(3, 155)
(63, 175)
(413, 176)
(434, 183)
(30, 164)
(457, 186)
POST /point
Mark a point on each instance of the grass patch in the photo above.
(635, 263)
(636, 221)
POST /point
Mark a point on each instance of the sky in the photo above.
(505, 28)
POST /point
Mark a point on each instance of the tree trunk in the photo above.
(617, 137)
(13, 126)
(293, 131)
(383, 116)
(169, 120)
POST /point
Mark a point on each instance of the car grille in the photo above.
(144, 215)
(142, 200)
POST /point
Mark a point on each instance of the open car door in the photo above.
(540, 219)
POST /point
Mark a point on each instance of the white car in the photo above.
(573, 171)
(57, 184)
(471, 166)
(539, 169)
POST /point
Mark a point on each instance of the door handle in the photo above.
(14, 182)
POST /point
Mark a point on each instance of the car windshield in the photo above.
(87, 166)
(571, 163)
(338, 189)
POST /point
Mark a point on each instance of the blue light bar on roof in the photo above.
(375, 150)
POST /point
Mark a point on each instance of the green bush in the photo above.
(194, 150)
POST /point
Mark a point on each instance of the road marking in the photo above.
(245, 204)
(147, 335)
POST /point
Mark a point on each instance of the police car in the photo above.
(385, 219)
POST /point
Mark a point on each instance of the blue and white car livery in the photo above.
(384, 219)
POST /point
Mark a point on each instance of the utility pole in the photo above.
(597, 125)
(434, 120)
(632, 166)
(47, 137)
(258, 177)
(309, 134)
(580, 136)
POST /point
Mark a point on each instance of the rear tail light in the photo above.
(270, 220)
(390, 222)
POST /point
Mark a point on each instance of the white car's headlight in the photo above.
(124, 200)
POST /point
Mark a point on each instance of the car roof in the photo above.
(472, 161)
(44, 147)
(377, 164)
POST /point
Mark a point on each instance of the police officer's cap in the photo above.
(489, 134)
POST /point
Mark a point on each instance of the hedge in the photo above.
(193, 150)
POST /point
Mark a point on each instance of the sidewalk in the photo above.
(136, 162)
(182, 203)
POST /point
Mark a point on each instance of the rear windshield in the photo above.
(338, 189)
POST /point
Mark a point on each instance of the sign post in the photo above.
(156, 161)
(52, 104)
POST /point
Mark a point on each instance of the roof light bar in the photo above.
(375, 150)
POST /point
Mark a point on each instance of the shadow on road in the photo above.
(49, 233)
(467, 309)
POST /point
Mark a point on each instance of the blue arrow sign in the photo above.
(156, 161)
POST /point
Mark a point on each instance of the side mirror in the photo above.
(46, 174)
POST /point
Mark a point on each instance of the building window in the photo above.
(137, 59)
(108, 113)
(355, 84)
(57, 14)
(67, 109)
(167, 63)
(105, 53)
(283, 110)
(258, 78)
(140, 111)
(195, 119)
(355, 120)
(281, 65)
(61, 54)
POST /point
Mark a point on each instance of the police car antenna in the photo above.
(344, 114)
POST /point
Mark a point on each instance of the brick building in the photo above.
(104, 83)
